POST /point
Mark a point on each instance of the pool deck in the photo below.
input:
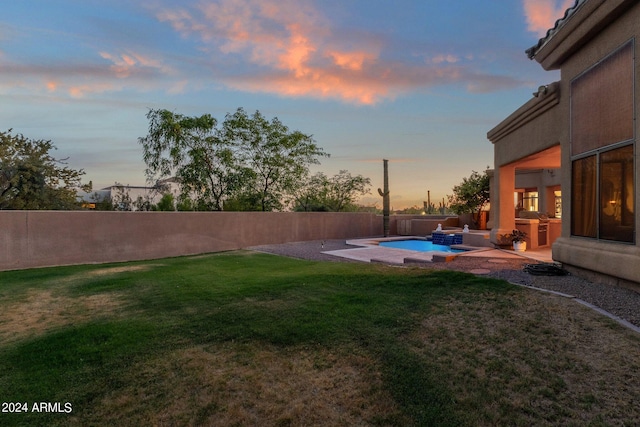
(369, 251)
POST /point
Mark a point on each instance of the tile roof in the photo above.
(531, 52)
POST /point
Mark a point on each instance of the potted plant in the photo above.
(517, 237)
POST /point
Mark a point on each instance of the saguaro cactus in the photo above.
(385, 199)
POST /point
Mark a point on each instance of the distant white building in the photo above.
(132, 198)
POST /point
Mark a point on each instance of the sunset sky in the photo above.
(418, 82)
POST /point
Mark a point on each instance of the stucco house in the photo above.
(583, 129)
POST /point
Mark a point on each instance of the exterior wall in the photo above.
(48, 238)
(616, 260)
(531, 129)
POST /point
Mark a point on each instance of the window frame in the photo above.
(598, 165)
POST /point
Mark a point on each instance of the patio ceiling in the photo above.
(546, 159)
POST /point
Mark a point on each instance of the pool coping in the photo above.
(369, 250)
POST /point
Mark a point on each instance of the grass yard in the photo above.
(254, 339)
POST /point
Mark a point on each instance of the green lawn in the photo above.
(253, 339)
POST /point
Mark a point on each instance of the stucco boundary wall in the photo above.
(49, 238)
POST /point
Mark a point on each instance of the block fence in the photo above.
(49, 238)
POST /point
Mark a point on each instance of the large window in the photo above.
(526, 200)
(617, 200)
(603, 195)
(602, 149)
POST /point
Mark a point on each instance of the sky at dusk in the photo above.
(418, 82)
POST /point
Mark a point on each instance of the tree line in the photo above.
(244, 163)
(31, 178)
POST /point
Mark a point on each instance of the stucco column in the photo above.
(502, 208)
(549, 206)
(492, 189)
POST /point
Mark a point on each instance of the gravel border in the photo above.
(614, 301)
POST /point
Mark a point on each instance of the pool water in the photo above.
(419, 245)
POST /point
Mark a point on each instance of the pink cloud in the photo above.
(105, 72)
(287, 47)
(126, 64)
(542, 14)
(126, 70)
(283, 47)
(317, 84)
(178, 87)
(288, 37)
(351, 60)
(51, 85)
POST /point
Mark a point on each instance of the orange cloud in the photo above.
(289, 37)
(52, 86)
(81, 90)
(353, 61)
(542, 14)
(126, 69)
(317, 84)
(126, 64)
(287, 47)
(297, 52)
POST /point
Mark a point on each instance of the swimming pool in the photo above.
(419, 245)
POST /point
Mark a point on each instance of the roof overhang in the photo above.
(543, 100)
(579, 25)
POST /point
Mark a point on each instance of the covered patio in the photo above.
(525, 184)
